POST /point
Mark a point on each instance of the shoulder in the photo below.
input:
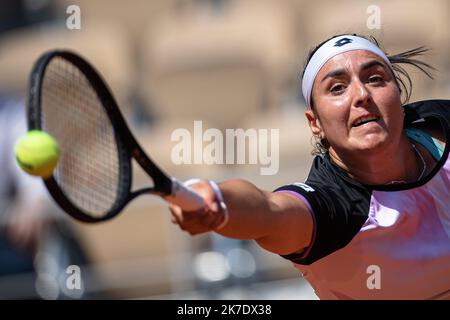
(322, 177)
(420, 110)
(430, 116)
(339, 207)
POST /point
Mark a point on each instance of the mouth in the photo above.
(365, 119)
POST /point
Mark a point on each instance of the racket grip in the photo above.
(185, 197)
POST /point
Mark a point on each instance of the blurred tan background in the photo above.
(231, 64)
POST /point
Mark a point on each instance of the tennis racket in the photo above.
(92, 181)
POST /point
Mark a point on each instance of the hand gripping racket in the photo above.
(93, 178)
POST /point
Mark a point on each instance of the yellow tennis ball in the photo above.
(37, 153)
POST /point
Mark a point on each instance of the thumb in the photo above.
(205, 190)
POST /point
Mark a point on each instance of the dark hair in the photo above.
(402, 77)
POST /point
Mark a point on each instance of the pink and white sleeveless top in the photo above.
(379, 242)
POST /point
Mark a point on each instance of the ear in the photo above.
(314, 123)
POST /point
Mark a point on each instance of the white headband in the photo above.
(330, 49)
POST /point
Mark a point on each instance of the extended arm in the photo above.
(279, 222)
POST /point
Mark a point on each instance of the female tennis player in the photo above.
(372, 220)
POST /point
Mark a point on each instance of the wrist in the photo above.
(219, 198)
(222, 205)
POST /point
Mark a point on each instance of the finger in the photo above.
(204, 188)
(196, 231)
(175, 221)
(176, 212)
(201, 221)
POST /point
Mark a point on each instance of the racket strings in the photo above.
(88, 170)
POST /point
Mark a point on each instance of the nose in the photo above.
(361, 94)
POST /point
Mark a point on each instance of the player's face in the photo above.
(357, 103)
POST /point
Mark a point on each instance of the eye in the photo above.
(375, 79)
(337, 88)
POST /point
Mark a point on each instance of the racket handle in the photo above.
(185, 197)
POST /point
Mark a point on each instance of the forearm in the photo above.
(278, 222)
(251, 211)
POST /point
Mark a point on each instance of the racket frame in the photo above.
(128, 147)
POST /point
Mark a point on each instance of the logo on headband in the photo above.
(342, 42)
